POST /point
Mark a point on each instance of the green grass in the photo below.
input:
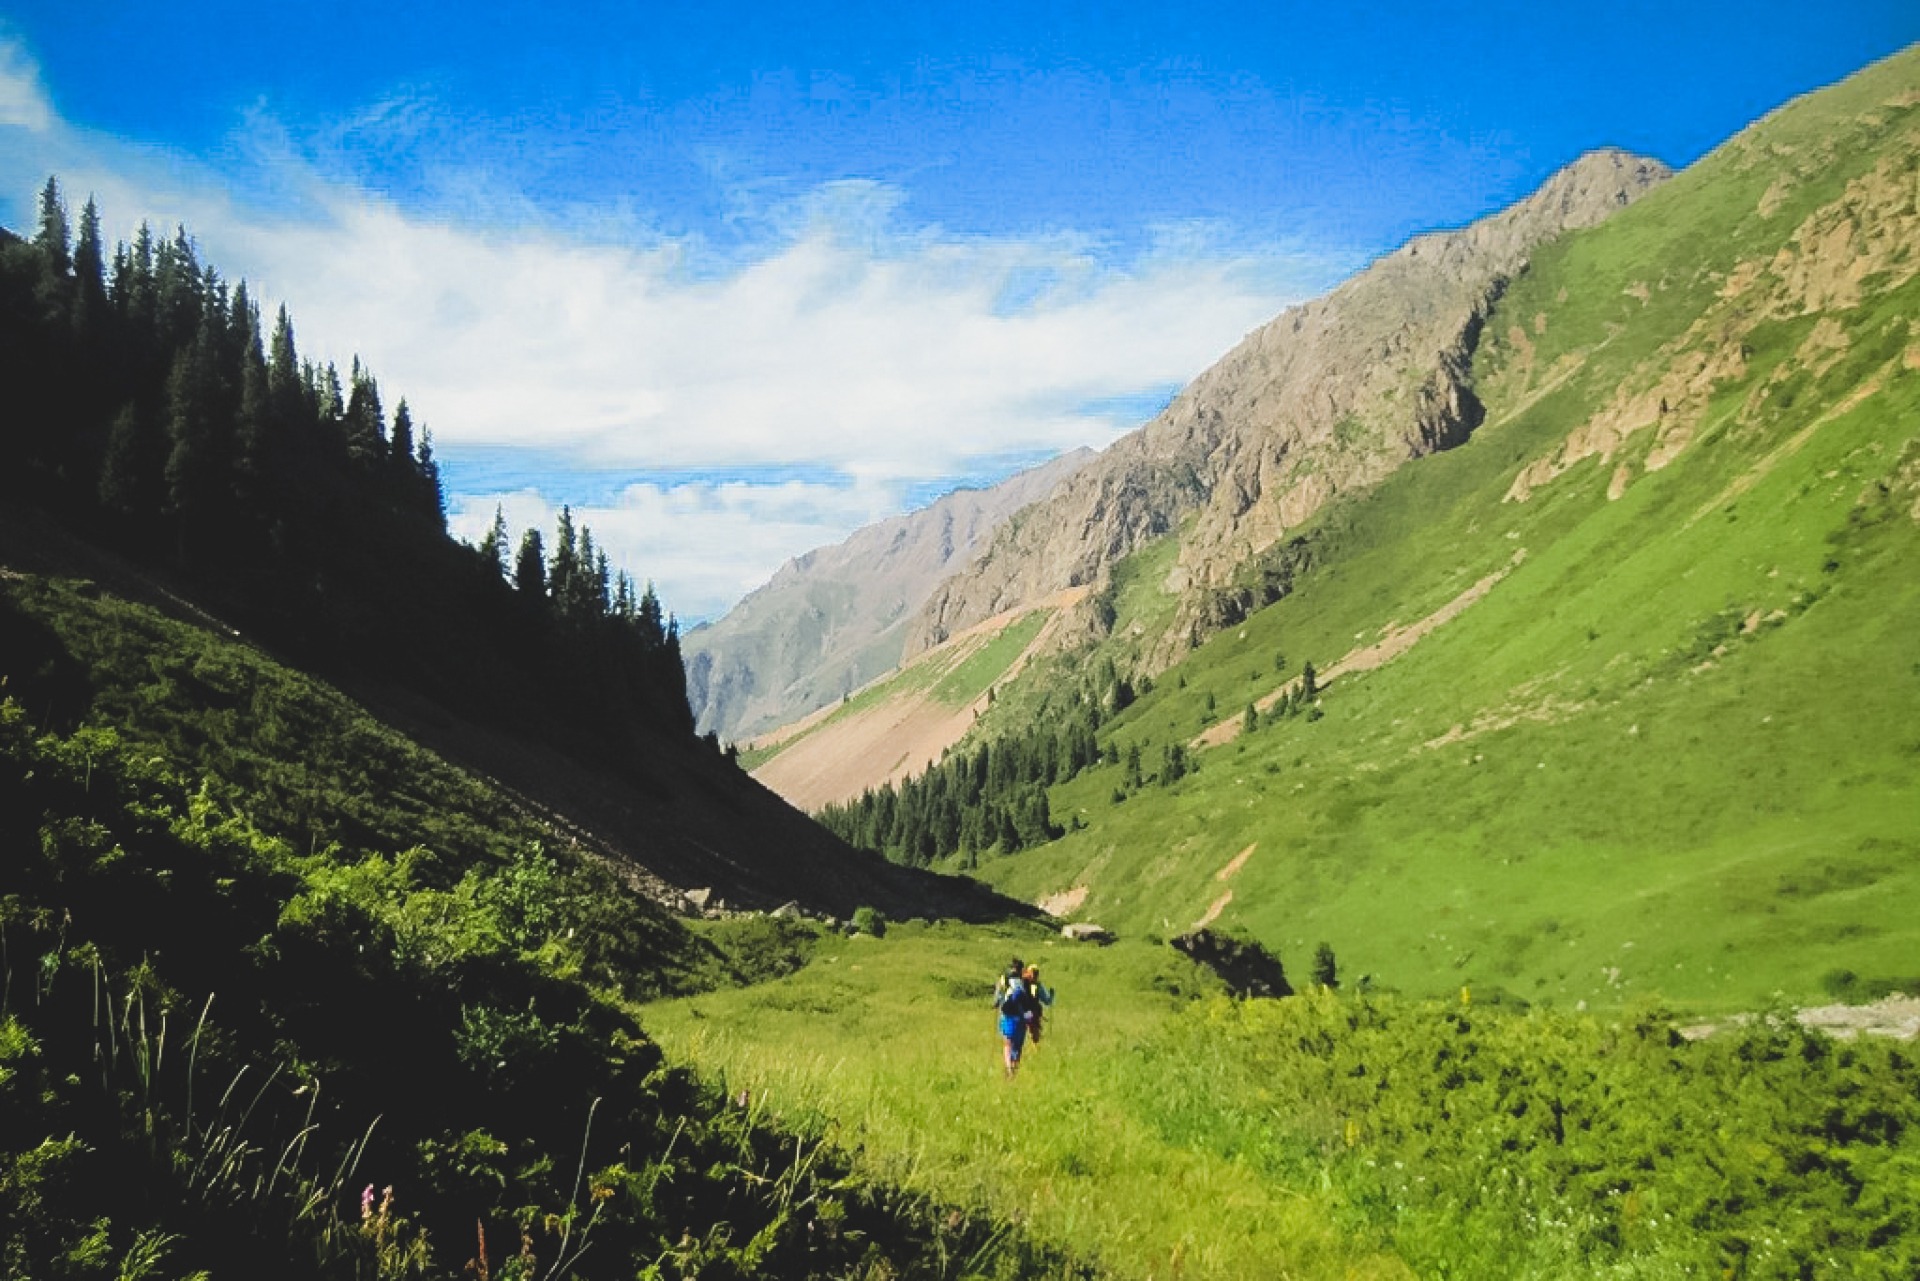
(1165, 1130)
(974, 675)
(889, 1047)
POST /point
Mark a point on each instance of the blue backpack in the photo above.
(1016, 1000)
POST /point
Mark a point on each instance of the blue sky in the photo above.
(732, 279)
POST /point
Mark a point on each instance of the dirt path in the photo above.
(1394, 642)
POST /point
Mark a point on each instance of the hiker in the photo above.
(1039, 997)
(1012, 1001)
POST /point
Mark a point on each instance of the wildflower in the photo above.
(366, 1204)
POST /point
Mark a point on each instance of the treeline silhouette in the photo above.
(149, 409)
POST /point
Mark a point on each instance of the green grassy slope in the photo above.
(952, 676)
(1674, 749)
(260, 955)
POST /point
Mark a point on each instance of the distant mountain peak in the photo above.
(1327, 398)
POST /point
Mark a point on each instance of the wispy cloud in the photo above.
(23, 102)
(870, 357)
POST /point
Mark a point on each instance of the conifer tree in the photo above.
(192, 458)
(1325, 973)
(286, 389)
(90, 273)
(433, 500)
(530, 567)
(54, 239)
(650, 623)
(401, 445)
(179, 291)
(330, 404)
(364, 423)
(137, 300)
(493, 545)
(254, 432)
(129, 471)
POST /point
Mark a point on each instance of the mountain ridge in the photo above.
(1290, 417)
(832, 619)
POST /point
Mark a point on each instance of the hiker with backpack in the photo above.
(1012, 1001)
(1039, 997)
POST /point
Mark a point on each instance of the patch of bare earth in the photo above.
(1213, 911)
(1065, 903)
(1226, 873)
(1393, 642)
(1897, 1016)
(832, 759)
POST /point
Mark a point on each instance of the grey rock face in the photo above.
(1326, 399)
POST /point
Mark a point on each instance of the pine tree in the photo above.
(54, 239)
(254, 433)
(90, 274)
(179, 291)
(530, 567)
(1325, 974)
(286, 385)
(129, 472)
(192, 450)
(649, 622)
(565, 561)
(364, 423)
(493, 545)
(400, 446)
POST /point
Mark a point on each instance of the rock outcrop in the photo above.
(1327, 399)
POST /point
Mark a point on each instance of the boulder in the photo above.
(1086, 932)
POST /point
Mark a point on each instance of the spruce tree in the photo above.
(400, 446)
(286, 386)
(433, 499)
(564, 563)
(1325, 973)
(129, 471)
(90, 274)
(54, 239)
(364, 423)
(493, 545)
(530, 567)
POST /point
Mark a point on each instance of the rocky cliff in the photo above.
(832, 620)
(1326, 399)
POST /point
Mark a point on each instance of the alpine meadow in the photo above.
(1453, 768)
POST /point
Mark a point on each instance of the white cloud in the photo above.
(703, 544)
(848, 344)
(23, 102)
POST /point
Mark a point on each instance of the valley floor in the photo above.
(1163, 1129)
